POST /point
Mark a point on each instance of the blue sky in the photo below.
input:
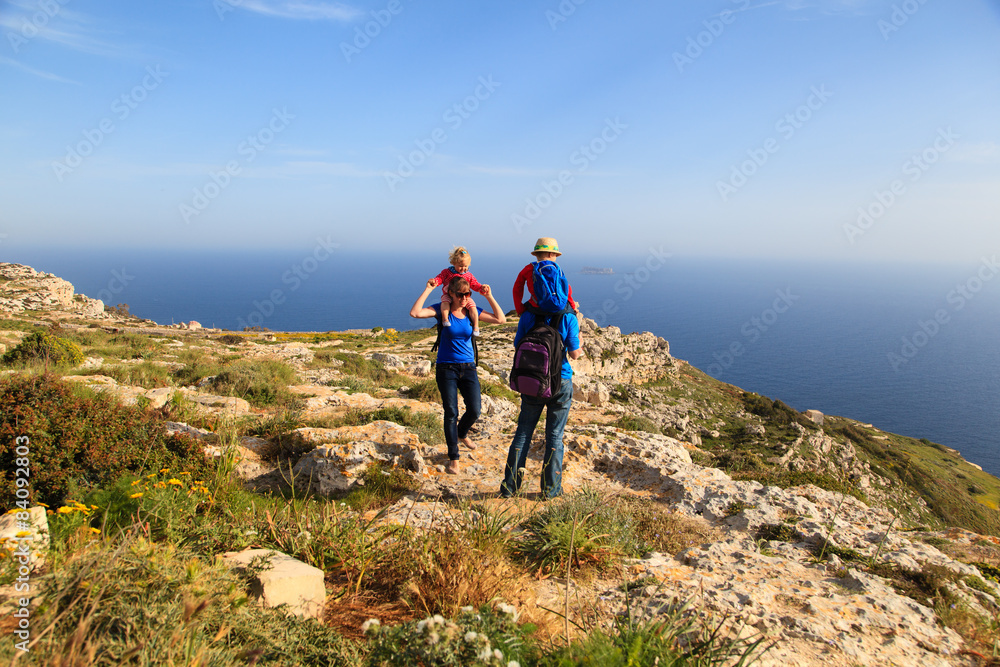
(827, 129)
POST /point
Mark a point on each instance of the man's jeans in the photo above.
(555, 422)
(451, 379)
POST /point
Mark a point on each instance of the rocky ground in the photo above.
(761, 572)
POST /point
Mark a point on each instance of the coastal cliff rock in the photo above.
(22, 288)
(834, 541)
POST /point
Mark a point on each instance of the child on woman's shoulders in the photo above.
(460, 262)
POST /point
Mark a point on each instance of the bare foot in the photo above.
(467, 441)
(451, 467)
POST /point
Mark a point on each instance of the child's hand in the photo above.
(432, 283)
(485, 290)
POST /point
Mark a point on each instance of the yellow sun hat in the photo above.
(546, 244)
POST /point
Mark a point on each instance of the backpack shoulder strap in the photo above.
(437, 340)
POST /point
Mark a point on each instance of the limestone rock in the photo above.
(389, 360)
(284, 581)
(590, 391)
(382, 432)
(814, 416)
(420, 368)
(334, 468)
(24, 534)
(320, 400)
(27, 289)
(89, 307)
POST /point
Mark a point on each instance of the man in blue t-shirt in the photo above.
(557, 414)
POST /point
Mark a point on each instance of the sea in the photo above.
(909, 348)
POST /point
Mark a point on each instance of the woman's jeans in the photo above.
(555, 422)
(451, 379)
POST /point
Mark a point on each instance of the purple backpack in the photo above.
(538, 358)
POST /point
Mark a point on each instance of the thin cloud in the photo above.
(982, 153)
(64, 27)
(306, 168)
(509, 171)
(301, 10)
(854, 7)
(36, 72)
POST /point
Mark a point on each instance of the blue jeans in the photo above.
(557, 414)
(451, 379)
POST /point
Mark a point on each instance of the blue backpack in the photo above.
(551, 287)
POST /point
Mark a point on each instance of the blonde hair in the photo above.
(458, 252)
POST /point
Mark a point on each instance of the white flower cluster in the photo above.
(509, 609)
(372, 624)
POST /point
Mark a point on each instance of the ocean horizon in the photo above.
(908, 348)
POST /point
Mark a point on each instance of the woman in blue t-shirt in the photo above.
(456, 362)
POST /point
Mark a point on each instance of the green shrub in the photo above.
(426, 391)
(497, 390)
(636, 423)
(43, 347)
(324, 358)
(772, 411)
(427, 426)
(382, 486)
(261, 382)
(676, 636)
(368, 370)
(145, 374)
(80, 442)
(119, 345)
(585, 524)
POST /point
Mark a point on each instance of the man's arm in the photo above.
(572, 337)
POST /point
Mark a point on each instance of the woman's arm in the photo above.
(497, 316)
(418, 309)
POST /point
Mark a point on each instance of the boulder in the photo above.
(590, 391)
(382, 432)
(814, 416)
(420, 368)
(389, 360)
(284, 581)
(89, 307)
(334, 468)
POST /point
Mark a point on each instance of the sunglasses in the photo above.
(461, 293)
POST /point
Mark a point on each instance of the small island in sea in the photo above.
(596, 270)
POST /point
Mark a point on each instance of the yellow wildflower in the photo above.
(22, 533)
(136, 495)
(65, 509)
(175, 481)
